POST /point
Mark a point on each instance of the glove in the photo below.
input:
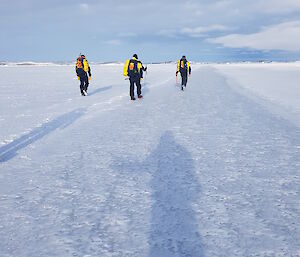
(176, 73)
(90, 77)
(78, 77)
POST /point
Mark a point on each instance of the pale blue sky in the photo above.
(204, 30)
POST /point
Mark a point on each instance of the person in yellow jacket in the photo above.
(183, 66)
(83, 72)
(134, 68)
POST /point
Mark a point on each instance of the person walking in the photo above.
(83, 72)
(183, 66)
(134, 68)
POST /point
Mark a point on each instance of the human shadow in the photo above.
(10, 150)
(145, 88)
(174, 230)
(165, 217)
(98, 90)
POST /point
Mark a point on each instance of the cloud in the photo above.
(278, 6)
(113, 42)
(255, 6)
(284, 36)
(192, 32)
(167, 27)
(171, 33)
(84, 7)
(127, 34)
(200, 31)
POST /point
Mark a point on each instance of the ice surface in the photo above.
(209, 171)
(275, 85)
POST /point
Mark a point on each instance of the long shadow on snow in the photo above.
(10, 150)
(98, 90)
(145, 88)
(174, 230)
(172, 227)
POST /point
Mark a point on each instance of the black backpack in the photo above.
(132, 67)
(183, 65)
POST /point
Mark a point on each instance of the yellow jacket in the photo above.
(82, 67)
(128, 65)
(86, 66)
(180, 64)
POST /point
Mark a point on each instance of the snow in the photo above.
(273, 84)
(211, 171)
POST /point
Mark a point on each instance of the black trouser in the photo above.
(84, 83)
(137, 81)
(184, 78)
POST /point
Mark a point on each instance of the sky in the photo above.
(113, 30)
